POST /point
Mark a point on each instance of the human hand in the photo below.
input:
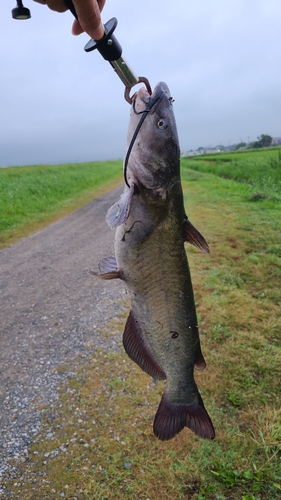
(88, 12)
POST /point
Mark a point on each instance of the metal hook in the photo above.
(141, 79)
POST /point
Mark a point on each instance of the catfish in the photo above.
(161, 333)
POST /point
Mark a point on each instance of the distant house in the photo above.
(276, 141)
(212, 150)
(231, 148)
(189, 153)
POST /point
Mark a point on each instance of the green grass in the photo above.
(274, 151)
(30, 196)
(103, 447)
(261, 170)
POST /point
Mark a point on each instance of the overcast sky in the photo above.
(221, 60)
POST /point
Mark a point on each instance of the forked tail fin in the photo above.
(171, 418)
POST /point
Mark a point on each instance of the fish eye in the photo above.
(162, 124)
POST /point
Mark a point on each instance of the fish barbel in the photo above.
(161, 333)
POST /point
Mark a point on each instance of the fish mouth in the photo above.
(160, 89)
(142, 100)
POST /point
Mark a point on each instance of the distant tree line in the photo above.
(263, 141)
(241, 145)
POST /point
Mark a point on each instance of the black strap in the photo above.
(144, 113)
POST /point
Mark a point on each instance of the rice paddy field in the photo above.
(102, 446)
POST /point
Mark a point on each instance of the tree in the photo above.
(240, 145)
(263, 141)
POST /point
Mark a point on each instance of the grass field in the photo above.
(102, 445)
(243, 153)
(31, 197)
(261, 169)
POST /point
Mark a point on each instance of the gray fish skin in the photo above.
(161, 334)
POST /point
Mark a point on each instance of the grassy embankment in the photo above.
(261, 169)
(31, 197)
(102, 446)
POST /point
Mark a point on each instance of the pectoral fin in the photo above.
(108, 269)
(138, 350)
(119, 212)
(191, 235)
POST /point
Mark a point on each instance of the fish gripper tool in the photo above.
(111, 50)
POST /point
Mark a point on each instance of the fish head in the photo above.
(153, 153)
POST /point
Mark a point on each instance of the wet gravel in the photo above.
(51, 312)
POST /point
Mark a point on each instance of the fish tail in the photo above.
(171, 418)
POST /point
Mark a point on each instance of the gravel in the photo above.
(51, 309)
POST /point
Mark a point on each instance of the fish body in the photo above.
(161, 333)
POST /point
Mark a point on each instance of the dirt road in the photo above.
(51, 308)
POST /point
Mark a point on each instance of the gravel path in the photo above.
(51, 308)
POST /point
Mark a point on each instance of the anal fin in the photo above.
(194, 237)
(138, 350)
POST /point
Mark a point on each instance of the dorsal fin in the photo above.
(194, 237)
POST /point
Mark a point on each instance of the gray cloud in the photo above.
(221, 60)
